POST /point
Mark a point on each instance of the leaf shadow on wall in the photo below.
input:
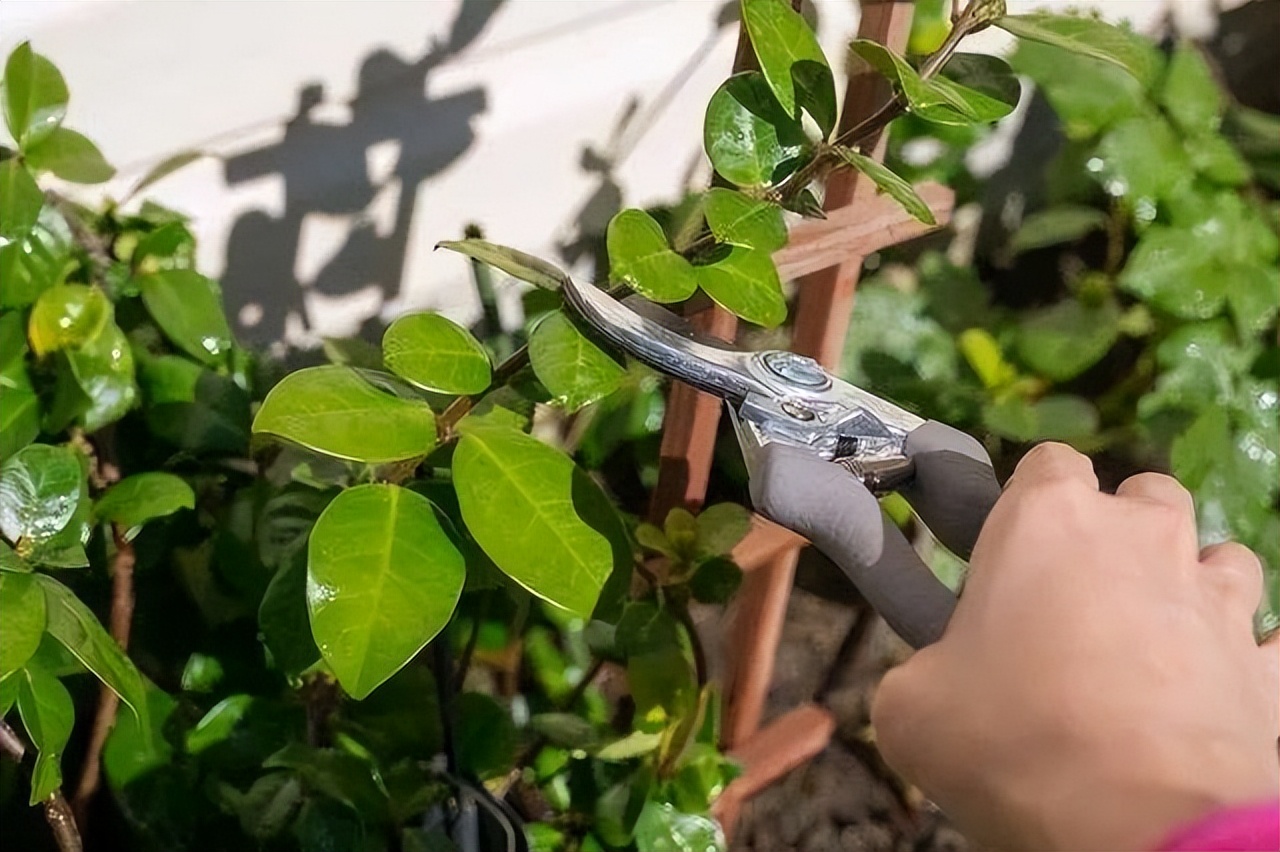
(326, 169)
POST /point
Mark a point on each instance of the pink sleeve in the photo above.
(1253, 828)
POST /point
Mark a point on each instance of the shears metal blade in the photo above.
(773, 396)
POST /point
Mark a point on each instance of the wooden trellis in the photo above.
(825, 257)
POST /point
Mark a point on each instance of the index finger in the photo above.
(1053, 462)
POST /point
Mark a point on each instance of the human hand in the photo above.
(1099, 682)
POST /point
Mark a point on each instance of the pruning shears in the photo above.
(773, 396)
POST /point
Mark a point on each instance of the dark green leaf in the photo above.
(486, 736)
(662, 828)
(188, 308)
(20, 201)
(1256, 136)
(70, 156)
(574, 371)
(47, 714)
(745, 282)
(640, 257)
(715, 581)
(337, 774)
(269, 805)
(1062, 341)
(1055, 226)
(436, 354)
(35, 96)
(565, 729)
(987, 75)
(131, 753)
(136, 499)
(39, 490)
(522, 501)
(382, 580)
(19, 407)
(889, 183)
(619, 806)
(515, 263)
(354, 352)
(193, 408)
(740, 220)
(750, 140)
(22, 620)
(284, 621)
(76, 629)
(1054, 418)
(937, 99)
(1190, 94)
(332, 410)
(1088, 37)
(785, 45)
(67, 315)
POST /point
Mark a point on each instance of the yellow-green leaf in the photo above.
(640, 256)
(572, 368)
(436, 355)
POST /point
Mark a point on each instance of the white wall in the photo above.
(491, 133)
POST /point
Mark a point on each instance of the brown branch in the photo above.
(122, 600)
(57, 812)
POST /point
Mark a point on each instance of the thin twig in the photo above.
(61, 819)
(464, 661)
(681, 611)
(122, 601)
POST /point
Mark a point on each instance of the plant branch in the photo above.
(122, 602)
(61, 819)
(462, 406)
(681, 610)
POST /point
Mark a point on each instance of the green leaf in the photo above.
(740, 220)
(1253, 294)
(202, 673)
(104, 370)
(573, 369)
(19, 405)
(1055, 226)
(35, 261)
(435, 354)
(662, 828)
(618, 807)
(715, 581)
(983, 353)
(1199, 363)
(1087, 95)
(353, 352)
(20, 201)
(987, 75)
(47, 714)
(11, 561)
(162, 170)
(634, 744)
(1142, 160)
(193, 408)
(1054, 418)
(217, 724)
(76, 629)
(67, 315)
(1171, 269)
(332, 410)
(39, 490)
(515, 263)
(889, 183)
(188, 308)
(639, 255)
(22, 619)
(1213, 156)
(486, 736)
(565, 729)
(937, 99)
(131, 753)
(1062, 341)
(382, 580)
(523, 502)
(1190, 94)
(284, 621)
(70, 156)
(720, 528)
(1088, 37)
(35, 96)
(750, 140)
(143, 497)
(337, 774)
(8, 694)
(745, 282)
(65, 549)
(269, 805)
(787, 49)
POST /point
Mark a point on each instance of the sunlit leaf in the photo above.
(523, 502)
(34, 262)
(640, 256)
(662, 828)
(47, 714)
(745, 282)
(70, 156)
(136, 499)
(104, 370)
(1062, 341)
(35, 96)
(937, 99)
(515, 263)
(572, 368)
(162, 170)
(20, 201)
(890, 183)
(791, 60)
(22, 620)
(188, 308)
(749, 139)
(1142, 159)
(739, 220)
(436, 354)
(66, 315)
(1088, 37)
(382, 580)
(332, 410)
(39, 490)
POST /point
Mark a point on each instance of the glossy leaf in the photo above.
(740, 220)
(572, 368)
(188, 308)
(218, 723)
(332, 410)
(1062, 341)
(19, 405)
(35, 96)
(745, 282)
(791, 60)
(937, 99)
(20, 200)
(143, 497)
(890, 183)
(66, 316)
(1199, 364)
(521, 500)
(515, 263)
(435, 354)
(662, 828)
(70, 156)
(76, 628)
(34, 262)
(104, 370)
(285, 622)
(22, 620)
(65, 549)
(1089, 37)
(39, 491)
(640, 257)
(47, 714)
(750, 140)
(382, 580)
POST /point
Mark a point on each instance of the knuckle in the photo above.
(1235, 570)
(1166, 520)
